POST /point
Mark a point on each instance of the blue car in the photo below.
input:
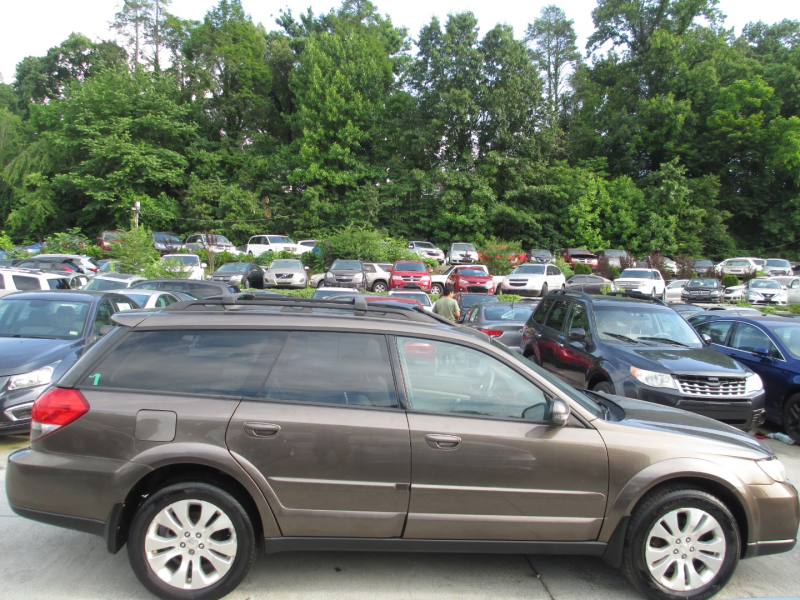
(770, 346)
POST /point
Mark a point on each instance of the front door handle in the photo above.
(261, 430)
(439, 441)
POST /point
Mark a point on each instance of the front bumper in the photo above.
(521, 290)
(742, 412)
(356, 285)
(779, 511)
(689, 298)
(15, 409)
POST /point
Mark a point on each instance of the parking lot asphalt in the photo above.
(41, 561)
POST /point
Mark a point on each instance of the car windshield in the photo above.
(235, 267)
(506, 313)
(279, 239)
(702, 263)
(35, 318)
(530, 270)
(424, 245)
(641, 324)
(737, 263)
(99, 284)
(187, 259)
(111, 235)
(286, 263)
(790, 336)
(703, 283)
(218, 240)
(464, 247)
(614, 253)
(410, 266)
(777, 262)
(471, 273)
(310, 243)
(765, 284)
(542, 253)
(421, 298)
(636, 274)
(468, 300)
(167, 238)
(346, 265)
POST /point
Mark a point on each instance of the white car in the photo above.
(420, 297)
(13, 279)
(258, 244)
(213, 242)
(151, 298)
(741, 267)
(792, 287)
(777, 267)
(735, 293)
(188, 263)
(461, 254)
(644, 281)
(533, 280)
(426, 250)
(766, 291)
(674, 289)
(438, 281)
(112, 281)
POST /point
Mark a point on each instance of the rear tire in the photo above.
(544, 290)
(219, 543)
(791, 417)
(379, 287)
(436, 288)
(681, 543)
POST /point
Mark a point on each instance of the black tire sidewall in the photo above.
(644, 521)
(791, 401)
(436, 289)
(544, 291)
(603, 386)
(245, 536)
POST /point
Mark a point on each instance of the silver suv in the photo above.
(207, 430)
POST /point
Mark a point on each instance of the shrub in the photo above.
(71, 241)
(500, 257)
(565, 268)
(627, 261)
(315, 261)
(5, 242)
(509, 298)
(359, 242)
(685, 267)
(134, 251)
(581, 269)
(656, 261)
(729, 281)
(613, 273)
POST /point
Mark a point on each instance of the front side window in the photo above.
(555, 320)
(717, 331)
(447, 378)
(103, 316)
(348, 369)
(749, 338)
(579, 318)
(59, 284)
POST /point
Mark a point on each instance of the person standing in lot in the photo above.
(446, 306)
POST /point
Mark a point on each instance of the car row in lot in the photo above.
(356, 424)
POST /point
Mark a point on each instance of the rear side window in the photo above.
(59, 284)
(541, 311)
(214, 362)
(717, 330)
(26, 283)
(348, 369)
(555, 320)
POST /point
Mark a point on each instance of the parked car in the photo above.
(502, 321)
(208, 241)
(670, 266)
(614, 257)
(188, 264)
(735, 293)
(346, 273)
(107, 238)
(640, 349)
(438, 280)
(461, 254)
(112, 281)
(198, 289)
(741, 267)
(13, 279)
(644, 281)
(766, 291)
(427, 250)
(574, 256)
(674, 290)
(410, 273)
(770, 346)
(285, 273)
(326, 293)
(167, 242)
(703, 267)
(702, 317)
(64, 262)
(777, 266)
(533, 280)
(702, 290)
(242, 274)
(378, 275)
(465, 300)
(467, 447)
(312, 245)
(540, 255)
(467, 279)
(591, 284)
(154, 298)
(42, 334)
(258, 244)
(76, 281)
(421, 297)
(687, 310)
(792, 286)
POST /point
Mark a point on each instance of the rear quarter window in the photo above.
(26, 283)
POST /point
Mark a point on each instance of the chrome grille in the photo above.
(283, 276)
(710, 386)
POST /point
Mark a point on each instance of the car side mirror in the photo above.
(763, 352)
(559, 412)
(105, 329)
(706, 338)
(577, 334)
(307, 268)
(204, 265)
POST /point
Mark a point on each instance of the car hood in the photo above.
(727, 439)
(343, 272)
(410, 273)
(636, 280)
(527, 276)
(20, 355)
(683, 361)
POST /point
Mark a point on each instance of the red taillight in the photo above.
(491, 332)
(54, 409)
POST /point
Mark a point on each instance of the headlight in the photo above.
(32, 379)
(653, 378)
(754, 295)
(753, 383)
(773, 468)
(358, 277)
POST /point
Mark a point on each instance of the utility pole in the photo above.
(136, 208)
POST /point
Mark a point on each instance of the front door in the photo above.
(573, 360)
(552, 337)
(329, 438)
(486, 463)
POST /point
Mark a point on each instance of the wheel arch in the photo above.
(596, 377)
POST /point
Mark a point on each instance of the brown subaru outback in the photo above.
(204, 432)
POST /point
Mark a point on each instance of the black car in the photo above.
(502, 321)
(42, 334)
(591, 284)
(166, 242)
(702, 317)
(540, 256)
(197, 289)
(702, 290)
(244, 274)
(635, 346)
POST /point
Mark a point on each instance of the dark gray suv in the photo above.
(212, 428)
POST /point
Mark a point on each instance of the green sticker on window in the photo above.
(96, 378)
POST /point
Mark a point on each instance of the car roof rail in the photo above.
(573, 293)
(292, 304)
(638, 296)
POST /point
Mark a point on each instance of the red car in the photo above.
(106, 238)
(574, 256)
(410, 273)
(470, 279)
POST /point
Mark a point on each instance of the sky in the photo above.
(31, 27)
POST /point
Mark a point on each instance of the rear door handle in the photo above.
(439, 441)
(261, 430)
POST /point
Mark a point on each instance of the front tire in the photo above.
(544, 290)
(681, 543)
(379, 287)
(436, 288)
(191, 541)
(791, 418)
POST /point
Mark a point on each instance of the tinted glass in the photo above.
(789, 335)
(467, 300)
(346, 265)
(541, 311)
(749, 337)
(102, 285)
(718, 331)
(411, 266)
(59, 284)
(286, 263)
(506, 313)
(464, 247)
(219, 362)
(279, 239)
(348, 369)
(773, 262)
(640, 324)
(141, 299)
(186, 259)
(235, 267)
(637, 274)
(555, 319)
(765, 284)
(703, 283)
(447, 378)
(471, 273)
(529, 270)
(33, 318)
(26, 283)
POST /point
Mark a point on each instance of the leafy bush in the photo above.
(94, 252)
(5, 242)
(134, 251)
(71, 241)
(306, 293)
(359, 242)
(315, 261)
(565, 268)
(627, 261)
(656, 261)
(613, 273)
(729, 280)
(605, 289)
(581, 269)
(509, 297)
(500, 256)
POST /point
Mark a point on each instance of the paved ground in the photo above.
(43, 562)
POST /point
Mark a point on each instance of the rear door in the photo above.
(553, 339)
(573, 359)
(328, 437)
